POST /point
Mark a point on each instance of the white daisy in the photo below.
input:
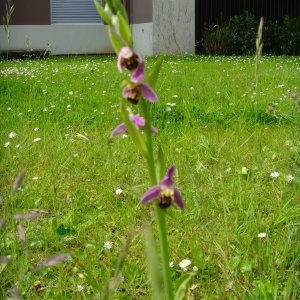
(184, 264)
(119, 191)
(108, 245)
(274, 174)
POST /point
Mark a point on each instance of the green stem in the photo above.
(159, 213)
(163, 240)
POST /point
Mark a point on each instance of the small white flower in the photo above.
(80, 288)
(124, 136)
(218, 93)
(171, 264)
(36, 140)
(108, 245)
(290, 178)
(175, 96)
(80, 275)
(45, 109)
(262, 235)
(6, 144)
(9, 108)
(184, 264)
(36, 129)
(274, 174)
(12, 135)
(71, 93)
(18, 146)
(35, 178)
(195, 269)
(119, 191)
(171, 103)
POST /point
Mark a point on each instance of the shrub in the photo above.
(292, 25)
(242, 34)
(215, 39)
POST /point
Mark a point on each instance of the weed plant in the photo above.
(237, 148)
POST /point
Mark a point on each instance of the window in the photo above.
(74, 11)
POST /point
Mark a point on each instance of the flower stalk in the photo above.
(138, 90)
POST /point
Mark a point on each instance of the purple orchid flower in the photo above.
(165, 192)
(135, 88)
(129, 59)
(135, 119)
(133, 91)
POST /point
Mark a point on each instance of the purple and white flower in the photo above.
(165, 192)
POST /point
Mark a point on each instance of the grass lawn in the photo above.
(236, 149)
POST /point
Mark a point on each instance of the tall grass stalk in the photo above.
(9, 9)
(258, 53)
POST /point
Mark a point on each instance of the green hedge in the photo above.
(237, 37)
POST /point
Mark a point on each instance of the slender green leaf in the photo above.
(109, 3)
(115, 42)
(152, 75)
(182, 289)
(154, 265)
(105, 15)
(160, 167)
(124, 30)
(119, 8)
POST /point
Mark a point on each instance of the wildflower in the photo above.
(80, 288)
(12, 135)
(274, 175)
(135, 88)
(171, 264)
(195, 269)
(184, 264)
(36, 140)
(165, 192)
(108, 245)
(36, 129)
(6, 144)
(129, 59)
(136, 120)
(290, 178)
(262, 235)
(119, 192)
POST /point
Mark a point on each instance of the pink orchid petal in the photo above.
(118, 130)
(168, 179)
(137, 120)
(126, 92)
(138, 75)
(178, 199)
(125, 53)
(147, 92)
(152, 194)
